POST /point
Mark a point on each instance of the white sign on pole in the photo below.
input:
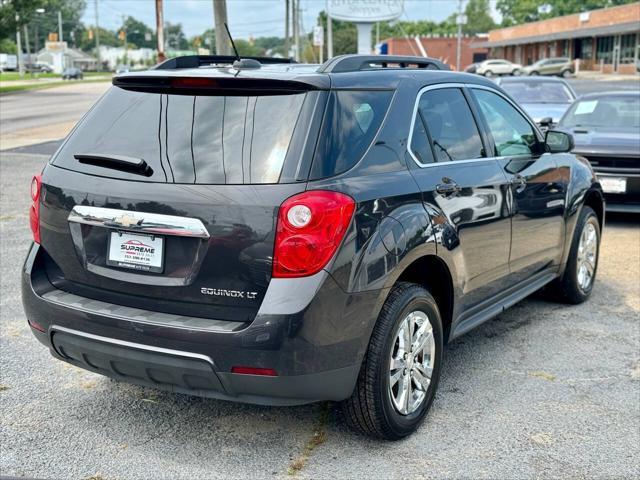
(318, 36)
(365, 11)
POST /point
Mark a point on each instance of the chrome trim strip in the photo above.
(149, 223)
(138, 315)
(459, 85)
(138, 346)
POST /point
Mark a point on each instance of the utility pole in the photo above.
(60, 38)
(287, 21)
(26, 43)
(220, 18)
(460, 20)
(329, 32)
(19, 46)
(160, 31)
(296, 29)
(97, 36)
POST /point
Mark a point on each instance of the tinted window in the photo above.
(188, 139)
(420, 146)
(538, 92)
(351, 122)
(453, 131)
(512, 133)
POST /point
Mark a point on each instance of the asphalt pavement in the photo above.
(544, 390)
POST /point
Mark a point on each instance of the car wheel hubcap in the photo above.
(587, 253)
(411, 363)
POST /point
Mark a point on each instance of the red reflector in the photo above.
(193, 82)
(34, 210)
(311, 226)
(36, 326)
(266, 372)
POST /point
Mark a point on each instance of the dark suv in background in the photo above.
(280, 234)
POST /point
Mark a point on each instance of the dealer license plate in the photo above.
(135, 251)
(613, 184)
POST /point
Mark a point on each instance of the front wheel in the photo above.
(566, 73)
(534, 73)
(516, 72)
(400, 372)
(488, 74)
(577, 283)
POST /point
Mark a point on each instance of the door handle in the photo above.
(448, 187)
(519, 182)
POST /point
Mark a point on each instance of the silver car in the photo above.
(490, 68)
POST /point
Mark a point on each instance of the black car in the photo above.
(606, 128)
(72, 73)
(275, 233)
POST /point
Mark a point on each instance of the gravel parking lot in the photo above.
(544, 390)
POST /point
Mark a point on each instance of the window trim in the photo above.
(479, 121)
(439, 86)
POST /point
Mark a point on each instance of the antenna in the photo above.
(232, 42)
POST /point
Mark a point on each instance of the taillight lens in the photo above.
(311, 226)
(34, 211)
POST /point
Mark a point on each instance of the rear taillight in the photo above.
(34, 211)
(311, 226)
(265, 372)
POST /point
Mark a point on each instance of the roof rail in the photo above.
(355, 63)
(195, 61)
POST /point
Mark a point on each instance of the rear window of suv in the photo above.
(188, 139)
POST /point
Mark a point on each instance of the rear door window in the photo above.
(452, 129)
(186, 138)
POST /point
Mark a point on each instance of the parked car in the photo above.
(561, 66)
(314, 233)
(545, 99)
(606, 128)
(72, 73)
(494, 67)
(122, 69)
(472, 68)
(38, 68)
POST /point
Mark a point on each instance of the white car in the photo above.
(489, 68)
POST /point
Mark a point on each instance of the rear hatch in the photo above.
(166, 198)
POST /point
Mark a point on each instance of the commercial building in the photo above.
(443, 48)
(606, 40)
(60, 56)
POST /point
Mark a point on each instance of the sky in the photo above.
(257, 18)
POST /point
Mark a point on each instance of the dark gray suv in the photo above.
(275, 233)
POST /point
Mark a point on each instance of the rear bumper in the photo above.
(315, 351)
(628, 202)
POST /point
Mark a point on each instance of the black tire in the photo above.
(566, 73)
(568, 287)
(370, 410)
(488, 74)
(516, 72)
(534, 73)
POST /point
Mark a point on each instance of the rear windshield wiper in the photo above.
(116, 162)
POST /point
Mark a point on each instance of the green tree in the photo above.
(107, 38)
(138, 33)
(7, 46)
(478, 17)
(175, 38)
(26, 9)
(515, 12)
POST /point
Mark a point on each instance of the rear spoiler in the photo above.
(227, 86)
(196, 61)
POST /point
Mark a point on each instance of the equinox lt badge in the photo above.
(220, 292)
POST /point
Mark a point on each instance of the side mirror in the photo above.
(546, 122)
(558, 142)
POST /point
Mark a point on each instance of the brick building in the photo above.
(607, 39)
(443, 48)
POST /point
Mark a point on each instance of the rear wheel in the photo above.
(566, 73)
(516, 72)
(577, 283)
(401, 369)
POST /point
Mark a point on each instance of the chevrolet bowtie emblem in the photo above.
(127, 220)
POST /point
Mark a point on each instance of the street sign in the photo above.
(318, 36)
(365, 11)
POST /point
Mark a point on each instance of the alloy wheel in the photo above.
(411, 362)
(587, 254)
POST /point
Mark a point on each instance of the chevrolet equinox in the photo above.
(278, 233)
